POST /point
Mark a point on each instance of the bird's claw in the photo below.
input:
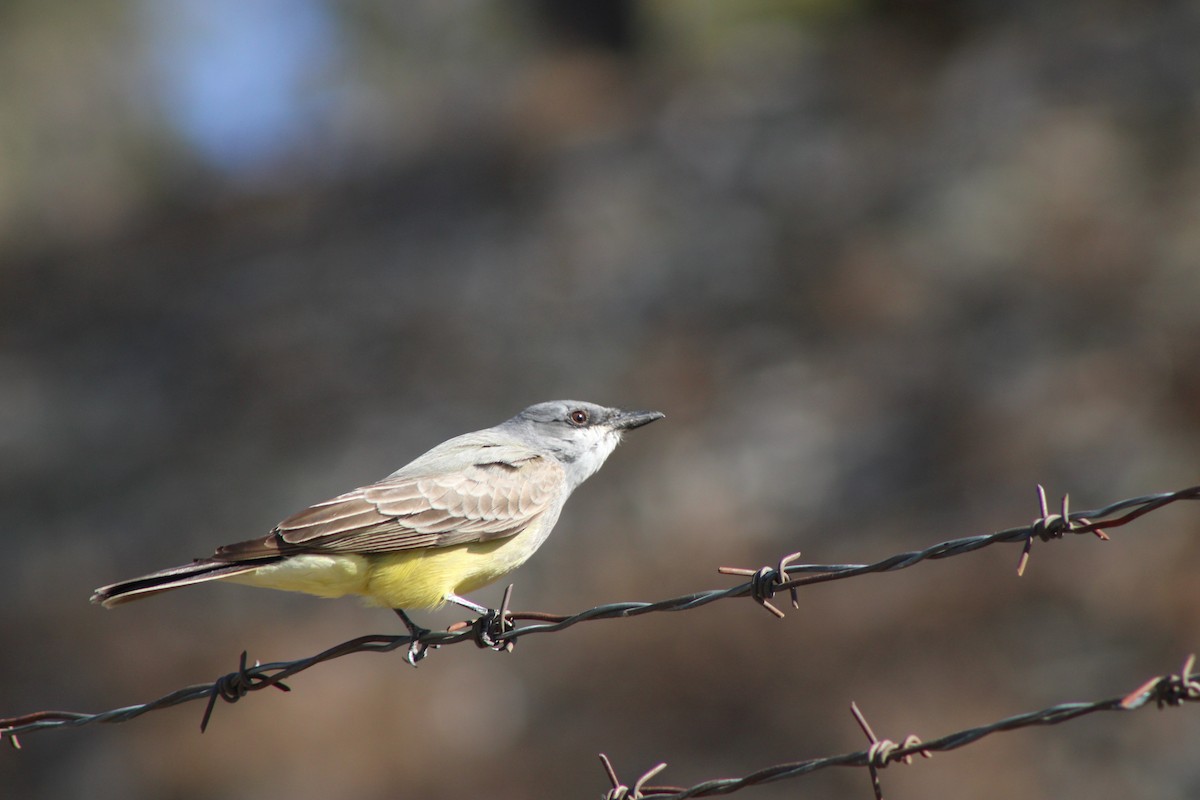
(417, 649)
(416, 652)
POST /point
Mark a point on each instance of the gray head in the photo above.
(579, 435)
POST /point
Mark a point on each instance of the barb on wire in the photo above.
(1170, 690)
(1052, 526)
(236, 685)
(765, 581)
(882, 752)
(620, 791)
(499, 634)
(1166, 690)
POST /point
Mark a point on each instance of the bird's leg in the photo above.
(469, 604)
(491, 622)
(417, 649)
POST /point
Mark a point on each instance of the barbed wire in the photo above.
(497, 630)
(1166, 690)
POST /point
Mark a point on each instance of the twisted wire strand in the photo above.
(1169, 690)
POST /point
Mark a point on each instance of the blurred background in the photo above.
(885, 264)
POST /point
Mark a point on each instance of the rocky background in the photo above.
(885, 264)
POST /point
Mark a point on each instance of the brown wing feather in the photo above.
(477, 504)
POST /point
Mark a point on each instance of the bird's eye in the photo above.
(578, 417)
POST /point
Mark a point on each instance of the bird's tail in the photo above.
(173, 578)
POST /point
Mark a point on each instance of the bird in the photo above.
(453, 520)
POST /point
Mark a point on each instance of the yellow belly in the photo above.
(404, 579)
(424, 578)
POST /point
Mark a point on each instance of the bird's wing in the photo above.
(475, 503)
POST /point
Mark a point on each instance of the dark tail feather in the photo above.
(173, 578)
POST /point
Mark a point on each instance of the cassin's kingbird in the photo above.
(457, 518)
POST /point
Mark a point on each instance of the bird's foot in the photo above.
(491, 624)
(487, 629)
(417, 649)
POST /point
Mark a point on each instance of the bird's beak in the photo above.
(627, 420)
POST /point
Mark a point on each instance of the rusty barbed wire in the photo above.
(1166, 690)
(496, 630)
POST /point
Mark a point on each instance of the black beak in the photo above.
(628, 420)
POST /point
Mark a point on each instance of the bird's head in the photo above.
(577, 434)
